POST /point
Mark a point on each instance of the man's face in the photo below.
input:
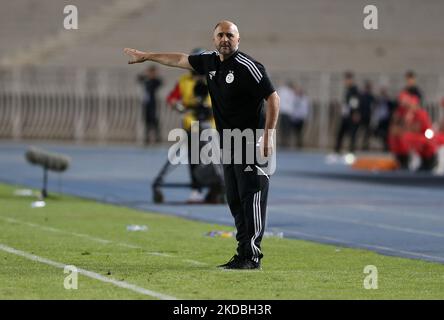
(348, 81)
(410, 81)
(226, 39)
(414, 103)
(152, 73)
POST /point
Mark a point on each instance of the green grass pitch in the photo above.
(174, 258)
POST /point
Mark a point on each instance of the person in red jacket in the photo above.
(395, 142)
(413, 133)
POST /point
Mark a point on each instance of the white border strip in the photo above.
(244, 58)
(249, 68)
(257, 224)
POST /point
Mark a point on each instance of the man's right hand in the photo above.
(135, 55)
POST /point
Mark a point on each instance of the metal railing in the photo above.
(81, 105)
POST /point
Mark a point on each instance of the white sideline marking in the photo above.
(103, 241)
(197, 263)
(89, 274)
(50, 229)
(160, 254)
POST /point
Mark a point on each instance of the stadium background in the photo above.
(75, 85)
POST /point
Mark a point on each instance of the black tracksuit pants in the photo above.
(247, 192)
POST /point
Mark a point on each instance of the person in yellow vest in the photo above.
(183, 99)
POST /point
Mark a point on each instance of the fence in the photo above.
(93, 105)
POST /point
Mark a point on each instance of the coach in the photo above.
(238, 86)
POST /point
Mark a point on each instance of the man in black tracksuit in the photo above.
(238, 86)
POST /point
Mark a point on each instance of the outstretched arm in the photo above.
(178, 60)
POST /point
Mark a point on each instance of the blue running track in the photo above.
(399, 214)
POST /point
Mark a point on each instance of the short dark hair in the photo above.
(219, 23)
(349, 75)
(368, 85)
(410, 74)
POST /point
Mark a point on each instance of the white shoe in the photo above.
(196, 196)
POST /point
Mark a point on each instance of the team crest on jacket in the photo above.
(230, 77)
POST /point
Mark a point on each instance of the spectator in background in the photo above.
(288, 100)
(411, 87)
(299, 115)
(151, 83)
(366, 107)
(396, 129)
(411, 131)
(384, 108)
(183, 98)
(350, 118)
